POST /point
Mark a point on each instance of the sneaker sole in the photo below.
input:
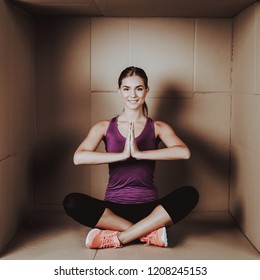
(89, 236)
(164, 237)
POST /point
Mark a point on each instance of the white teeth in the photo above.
(132, 101)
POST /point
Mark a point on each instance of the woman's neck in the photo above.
(130, 115)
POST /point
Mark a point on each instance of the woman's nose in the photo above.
(132, 93)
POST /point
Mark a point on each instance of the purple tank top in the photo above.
(131, 181)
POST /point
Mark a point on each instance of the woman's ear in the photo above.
(147, 90)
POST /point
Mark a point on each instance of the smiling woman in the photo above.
(131, 208)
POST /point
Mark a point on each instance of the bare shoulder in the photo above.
(162, 127)
(102, 124)
(160, 124)
(100, 127)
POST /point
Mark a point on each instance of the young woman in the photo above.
(131, 209)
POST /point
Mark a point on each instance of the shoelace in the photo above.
(108, 240)
(149, 238)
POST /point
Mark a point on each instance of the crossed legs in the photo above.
(131, 222)
(129, 231)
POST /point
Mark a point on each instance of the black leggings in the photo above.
(87, 210)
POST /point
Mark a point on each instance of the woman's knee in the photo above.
(188, 194)
(180, 202)
(70, 203)
(193, 194)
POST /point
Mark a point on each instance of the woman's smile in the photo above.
(133, 101)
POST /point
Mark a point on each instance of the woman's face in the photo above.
(133, 92)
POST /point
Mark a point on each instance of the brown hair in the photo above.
(135, 71)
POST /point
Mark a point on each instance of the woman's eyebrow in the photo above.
(125, 86)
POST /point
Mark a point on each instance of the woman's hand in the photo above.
(130, 148)
(133, 146)
(127, 148)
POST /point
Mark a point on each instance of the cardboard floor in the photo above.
(202, 235)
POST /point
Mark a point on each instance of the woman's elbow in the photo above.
(76, 159)
(186, 153)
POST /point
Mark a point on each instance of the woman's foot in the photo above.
(99, 239)
(157, 238)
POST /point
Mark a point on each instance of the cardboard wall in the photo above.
(63, 107)
(17, 120)
(245, 176)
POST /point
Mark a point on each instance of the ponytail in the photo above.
(145, 109)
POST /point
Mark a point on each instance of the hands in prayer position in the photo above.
(131, 148)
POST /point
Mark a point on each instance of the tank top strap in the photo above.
(112, 127)
(150, 122)
(148, 130)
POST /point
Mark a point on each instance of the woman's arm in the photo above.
(87, 154)
(175, 149)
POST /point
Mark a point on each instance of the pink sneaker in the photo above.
(102, 239)
(157, 237)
